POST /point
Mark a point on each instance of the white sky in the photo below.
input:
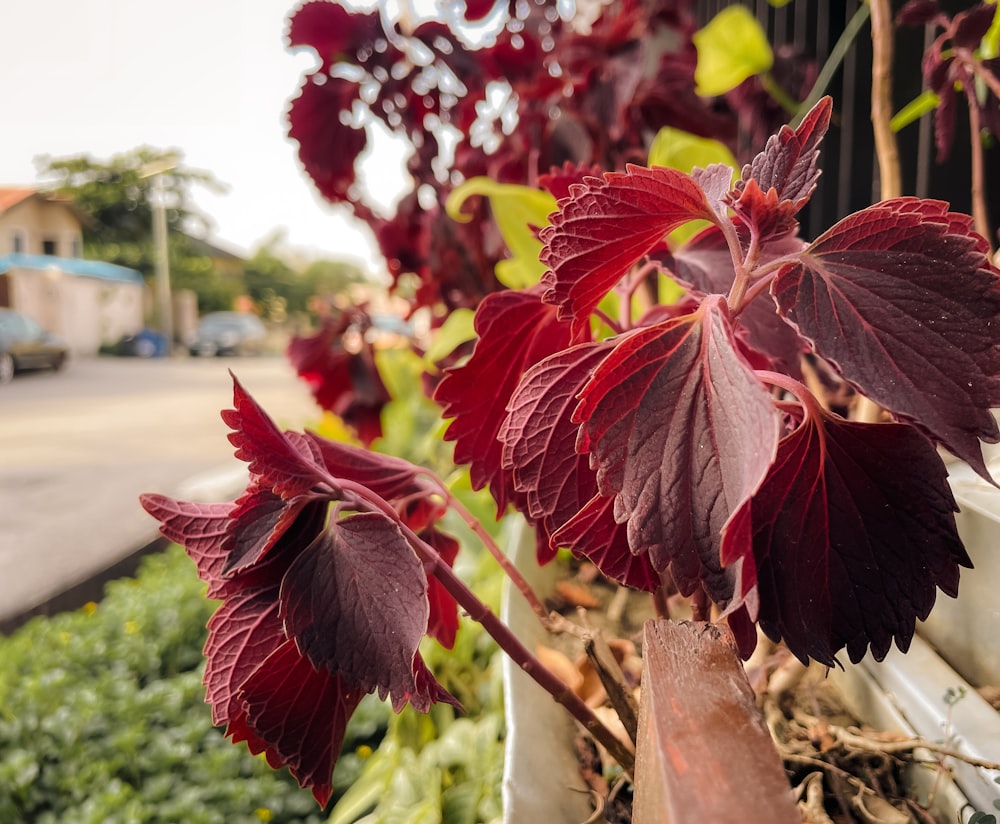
(209, 77)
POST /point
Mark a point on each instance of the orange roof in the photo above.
(13, 196)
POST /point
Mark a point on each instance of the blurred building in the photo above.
(43, 274)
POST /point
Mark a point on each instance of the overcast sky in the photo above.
(209, 77)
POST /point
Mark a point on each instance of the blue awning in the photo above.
(71, 266)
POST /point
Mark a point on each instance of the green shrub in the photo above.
(103, 720)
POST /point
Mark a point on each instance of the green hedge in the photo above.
(103, 720)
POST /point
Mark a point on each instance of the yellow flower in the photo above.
(263, 814)
(131, 627)
(89, 608)
(364, 751)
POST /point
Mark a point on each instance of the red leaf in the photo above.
(917, 13)
(388, 477)
(358, 579)
(328, 147)
(516, 330)
(970, 26)
(282, 463)
(779, 181)
(301, 714)
(593, 534)
(332, 30)
(478, 9)
(539, 437)
(200, 528)
(345, 383)
(853, 529)
(901, 298)
(262, 520)
(242, 633)
(681, 433)
(442, 621)
(606, 227)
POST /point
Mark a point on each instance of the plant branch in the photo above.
(980, 213)
(833, 61)
(623, 753)
(886, 149)
(512, 572)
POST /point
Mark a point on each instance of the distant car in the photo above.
(26, 345)
(228, 333)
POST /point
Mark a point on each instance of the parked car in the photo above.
(228, 333)
(26, 345)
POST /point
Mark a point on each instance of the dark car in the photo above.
(229, 333)
(26, 345)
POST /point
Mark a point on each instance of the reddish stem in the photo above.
(512, 572)
(519, 653)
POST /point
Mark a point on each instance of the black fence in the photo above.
(811, 28)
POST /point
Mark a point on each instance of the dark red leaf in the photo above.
(301, 714)
(242, 633)
(539, 437)
(442, 622)
(681, 433)
(917, 13)
(328, 147)
(359, 578)
(900, 297)
(345, 383)
(333, 31)
(285, 465)
(478, 9)
(200, 528)
(788, 162)
(388, 477)
(606, 227)
(516, 330)
(261, 520)
(853, 530)
(970, 26)
(779, 181)
(593, 534)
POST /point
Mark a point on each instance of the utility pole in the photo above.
(164, 303)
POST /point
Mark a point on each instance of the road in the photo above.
(79, 446)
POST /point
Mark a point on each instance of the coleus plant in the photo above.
(677, 445)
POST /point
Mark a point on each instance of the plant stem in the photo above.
(512, 572)
(886, 149)
(980, 214)
(519, 653)
(623, 753)
(833, 61)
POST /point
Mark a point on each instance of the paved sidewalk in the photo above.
(77, 449)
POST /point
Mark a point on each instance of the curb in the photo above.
(219, 484)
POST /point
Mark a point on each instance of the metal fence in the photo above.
(850, 175)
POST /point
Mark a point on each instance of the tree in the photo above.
(116, 197)
(272, 280)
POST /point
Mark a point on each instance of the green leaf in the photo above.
(456, 330)
(520, 212)
(731, 48)
(677, 149)
(920, 105)
(991, 40)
